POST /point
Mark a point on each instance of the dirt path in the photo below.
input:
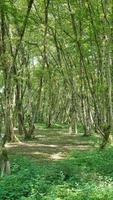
(50, 145)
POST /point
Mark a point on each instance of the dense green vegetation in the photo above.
(84, 175)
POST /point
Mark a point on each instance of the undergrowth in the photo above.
(85, 175)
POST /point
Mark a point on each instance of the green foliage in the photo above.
(26, 181)
(86, 175)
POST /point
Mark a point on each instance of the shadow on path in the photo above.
(50, 146)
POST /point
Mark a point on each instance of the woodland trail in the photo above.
(50, 145)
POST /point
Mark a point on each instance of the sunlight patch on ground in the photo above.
(47, 145)
(30, 145)
(40, 136)
(9, 145)
(38, 153)
(80, 146)
(57, 156)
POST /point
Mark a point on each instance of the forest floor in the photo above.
(51, 145)
(55, 165)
